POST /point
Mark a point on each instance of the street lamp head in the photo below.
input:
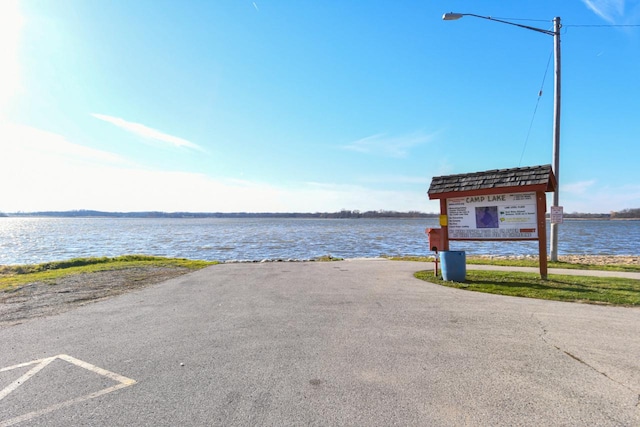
(452, 16)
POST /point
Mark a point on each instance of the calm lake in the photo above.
(35, 240)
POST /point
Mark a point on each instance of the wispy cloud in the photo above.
(32, 142)
(609, 10)
(256, 7)
(147, 132)
(45, 171)
(395, 179)
(577, 187)
(576, 198)
(389, 146)
(48, 172)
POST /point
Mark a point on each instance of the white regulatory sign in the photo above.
(494, 216)
(557, 216)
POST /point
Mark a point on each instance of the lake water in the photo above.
(35, 240)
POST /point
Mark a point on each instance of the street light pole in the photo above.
(452, 16)
(557, 81)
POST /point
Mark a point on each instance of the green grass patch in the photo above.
(529, 263)
(12, 276)
(594, 290)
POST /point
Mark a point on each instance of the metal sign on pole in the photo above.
(557, 216)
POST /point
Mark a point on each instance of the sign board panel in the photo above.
(494, 216)
(557, 216)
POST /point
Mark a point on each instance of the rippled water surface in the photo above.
(34, 240)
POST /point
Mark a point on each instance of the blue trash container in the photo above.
(453, 265)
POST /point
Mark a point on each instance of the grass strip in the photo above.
(12, 276)
(530, 263)
(594, 290)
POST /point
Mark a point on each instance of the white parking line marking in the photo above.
(22, 365)
(88, 366)
(41, 364)
(17, 383)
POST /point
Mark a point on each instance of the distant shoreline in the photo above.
(344, 214)
(197, 215)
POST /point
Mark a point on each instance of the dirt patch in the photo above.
(47, 298)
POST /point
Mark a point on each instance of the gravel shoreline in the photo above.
(578, 259)
(572, 259)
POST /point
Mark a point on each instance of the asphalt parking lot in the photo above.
(355, 342)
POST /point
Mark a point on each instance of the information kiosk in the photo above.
(504, 205)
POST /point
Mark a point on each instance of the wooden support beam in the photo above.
(541, 202)
(445, 228)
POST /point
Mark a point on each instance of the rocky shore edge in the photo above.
(571, 259)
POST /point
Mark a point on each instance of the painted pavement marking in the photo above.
(43, 363)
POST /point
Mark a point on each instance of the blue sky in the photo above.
(308, 106)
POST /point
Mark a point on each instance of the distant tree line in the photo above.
(576, 215)
(623, 214)
(343, 214)
(626, 214)
(376, 214)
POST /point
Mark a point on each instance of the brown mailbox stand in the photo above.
(436, 242)
(538, 179)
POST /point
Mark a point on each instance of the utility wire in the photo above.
(564, 26)
(569, 25)
(603, 26)
(522, 19)
(535, 110)
(507, 20)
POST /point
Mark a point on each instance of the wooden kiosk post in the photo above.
(497, 205)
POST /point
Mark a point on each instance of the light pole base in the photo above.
(553, 243)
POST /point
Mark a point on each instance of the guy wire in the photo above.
(535, 110)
